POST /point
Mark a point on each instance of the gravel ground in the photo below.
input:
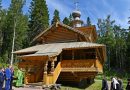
(28, 88)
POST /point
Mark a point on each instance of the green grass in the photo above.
(95, 86)
(70, 88)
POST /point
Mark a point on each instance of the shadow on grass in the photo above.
(81, 85)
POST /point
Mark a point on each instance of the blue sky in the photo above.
(118, 9)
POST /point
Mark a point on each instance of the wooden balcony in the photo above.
(78, 63)
(91, 65)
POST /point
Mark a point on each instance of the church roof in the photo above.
(63, 25)
(55, 49)
(89, 30)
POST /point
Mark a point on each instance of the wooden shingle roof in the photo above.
(55, 49)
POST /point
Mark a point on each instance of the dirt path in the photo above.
(28, 88)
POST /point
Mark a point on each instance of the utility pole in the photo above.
(12, 55)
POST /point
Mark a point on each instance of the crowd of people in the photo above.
(7, 77)
(116, 84)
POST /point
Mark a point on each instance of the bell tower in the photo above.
(76, 17)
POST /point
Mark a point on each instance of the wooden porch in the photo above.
(49, 71)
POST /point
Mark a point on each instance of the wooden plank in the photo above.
(98, 54)
(77, 63)
(61, 32)
(64, 34)
(79, 70)
(34, 58)
(60, 37)
(61, 41)
(54, 37)
(99, 66)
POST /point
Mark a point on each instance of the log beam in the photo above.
(45, 73)
(52, 66)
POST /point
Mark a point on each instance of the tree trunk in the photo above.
(12, 55)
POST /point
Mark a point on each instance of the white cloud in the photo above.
(93, 9)
(118, 9)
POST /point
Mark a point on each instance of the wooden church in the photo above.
(63, 54)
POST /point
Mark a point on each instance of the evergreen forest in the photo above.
(21, 28)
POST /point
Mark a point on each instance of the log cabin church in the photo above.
(63, 54)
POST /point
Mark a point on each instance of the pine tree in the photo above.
(56, 17)
(2, 23)
(66, 21)
(2, 28)
(39, 18)
(120, 47)
(70, 17)
(15, 20)
(88, 21)
(106, 36)
(128, 49)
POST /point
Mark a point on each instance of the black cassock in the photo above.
(128, 86)
(120, 84)
(104, 84)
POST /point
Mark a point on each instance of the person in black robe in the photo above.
(128, 85)
(120, 83)
(104, 84)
